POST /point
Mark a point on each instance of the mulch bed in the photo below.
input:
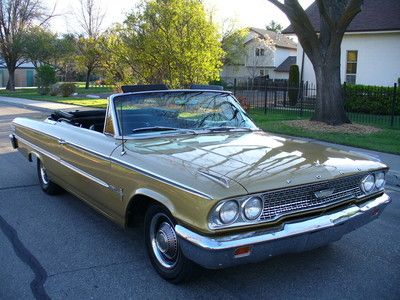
(322, 127)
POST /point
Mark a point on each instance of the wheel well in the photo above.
(137, 208)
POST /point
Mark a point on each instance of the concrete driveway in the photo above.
(59, 248)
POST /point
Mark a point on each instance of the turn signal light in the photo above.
(242, 251)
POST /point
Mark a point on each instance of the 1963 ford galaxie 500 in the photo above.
(214, 189)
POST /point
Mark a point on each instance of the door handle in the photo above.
(62, 142)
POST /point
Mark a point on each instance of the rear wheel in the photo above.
(46, 184)
(163, 246)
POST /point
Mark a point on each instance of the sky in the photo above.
(243, 13)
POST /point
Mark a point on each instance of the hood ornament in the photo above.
(324, 193)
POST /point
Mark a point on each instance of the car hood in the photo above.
(257, 161)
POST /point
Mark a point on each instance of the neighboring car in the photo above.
(213, 188)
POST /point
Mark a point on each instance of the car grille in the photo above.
(288, 201)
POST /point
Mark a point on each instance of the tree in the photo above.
(171, 41)
(294, 84)
(45, 76)
(274, 26)
(233, 44)
(88, 55)
(90, 18)
(323, 50)
(16, 16)
(40, 45)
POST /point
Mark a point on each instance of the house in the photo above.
(24, 75)
(268, 53)
(370, 52)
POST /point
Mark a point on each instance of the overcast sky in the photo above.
(245, 13)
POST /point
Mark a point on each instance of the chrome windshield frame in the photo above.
(113, 107)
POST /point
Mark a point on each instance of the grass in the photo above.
(32, 94)
(386, 140)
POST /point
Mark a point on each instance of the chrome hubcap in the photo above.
(43, 174)
(163, 240)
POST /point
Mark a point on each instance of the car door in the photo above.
(86, 155)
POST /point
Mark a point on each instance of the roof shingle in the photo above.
(285, 65)
(383, 15)
(279, 39)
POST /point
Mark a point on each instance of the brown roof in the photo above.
(382, 15)
(285, 65)
(279, 39)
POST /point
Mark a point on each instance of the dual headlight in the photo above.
(227, 212)
(373, 181)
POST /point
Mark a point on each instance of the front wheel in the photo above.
(163, 246)
(48, 186)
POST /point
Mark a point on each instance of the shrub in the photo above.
(55, 89)
(67, 89)
(370, 99)
(45, 76)
(293, 84)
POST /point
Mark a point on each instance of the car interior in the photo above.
(89, 119)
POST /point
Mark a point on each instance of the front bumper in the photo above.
(219, 252)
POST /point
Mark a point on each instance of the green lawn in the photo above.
(387, 140)
(32, 94)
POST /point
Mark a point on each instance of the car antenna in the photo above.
(122, 132)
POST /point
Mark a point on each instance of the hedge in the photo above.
(371, 99)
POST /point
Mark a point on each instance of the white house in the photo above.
(268, 53)
(370, 52)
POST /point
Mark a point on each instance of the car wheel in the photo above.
(163, 246)
(46, 184)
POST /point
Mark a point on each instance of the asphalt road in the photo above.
(60, 248)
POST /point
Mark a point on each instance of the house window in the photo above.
(260, 52)
(262, 73)
(351, 66)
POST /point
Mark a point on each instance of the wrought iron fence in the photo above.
(364, 104)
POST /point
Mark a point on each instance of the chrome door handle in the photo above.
(62, 142)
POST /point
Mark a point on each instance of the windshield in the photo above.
(179, 112)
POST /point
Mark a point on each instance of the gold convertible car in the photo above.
(211, 188)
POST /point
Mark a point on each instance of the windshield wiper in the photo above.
(160, 128)
(226, 128)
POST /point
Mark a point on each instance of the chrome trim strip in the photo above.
(140, 170)
(66, 164)
(124, 164)
(161, 178)
(284, 231)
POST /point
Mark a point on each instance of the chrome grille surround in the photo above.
(280, 203)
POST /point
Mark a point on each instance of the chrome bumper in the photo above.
(219, 252)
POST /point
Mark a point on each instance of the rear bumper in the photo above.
(218, 252)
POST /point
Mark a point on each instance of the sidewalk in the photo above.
(41, 105)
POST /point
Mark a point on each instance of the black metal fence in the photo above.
(364, 104)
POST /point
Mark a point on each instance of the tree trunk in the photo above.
(88, 72)
(11, 80)
(330, 101)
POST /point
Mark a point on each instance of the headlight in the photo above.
(252, 208)
(368, 183)
(380, 180)
(228, 212)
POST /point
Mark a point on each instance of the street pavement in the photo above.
(57, 247)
